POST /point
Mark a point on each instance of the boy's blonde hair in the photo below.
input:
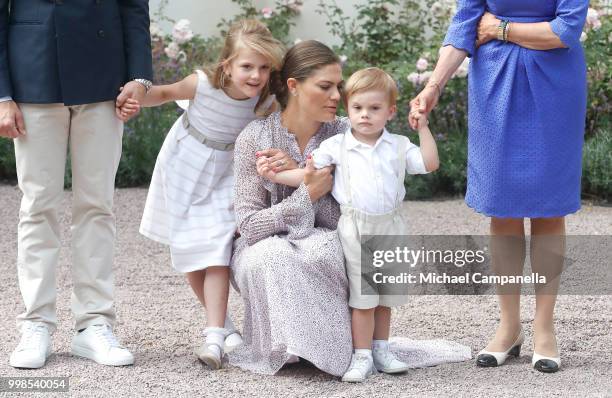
(369, 79)
(252, 34)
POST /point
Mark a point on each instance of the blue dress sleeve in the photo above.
(569, 21)
(462, 32)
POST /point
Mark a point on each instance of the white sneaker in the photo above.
(360, 369)
(99, 344)
(386, 362)
(34, 347)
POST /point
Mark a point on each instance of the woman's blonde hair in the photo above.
(369, 79)
(256, 36)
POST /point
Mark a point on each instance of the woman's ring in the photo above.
(280, 163)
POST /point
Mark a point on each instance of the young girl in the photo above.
(190, 201)
(369, 186)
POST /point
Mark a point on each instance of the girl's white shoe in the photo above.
(211, 353)
(487, 359)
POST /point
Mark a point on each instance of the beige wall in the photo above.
(205, 14)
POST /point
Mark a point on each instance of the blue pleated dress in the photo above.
(526, 113)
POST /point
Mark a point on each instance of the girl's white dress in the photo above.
(190, 203)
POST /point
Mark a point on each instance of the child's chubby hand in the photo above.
(129, 108)
(265, 169)
(421, 119)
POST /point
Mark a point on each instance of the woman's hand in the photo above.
(318, 182)
(423, 103)
(487, 28)
(264, 169)
(277, 159)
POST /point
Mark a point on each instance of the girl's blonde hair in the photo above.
(252, 34)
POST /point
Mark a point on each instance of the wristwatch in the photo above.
(146, 83)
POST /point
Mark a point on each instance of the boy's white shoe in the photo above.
(34, 347)
(99, 344)
(360, 369)
(386, 362)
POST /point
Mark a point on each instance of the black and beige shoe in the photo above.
(488, 359)
(545, 364)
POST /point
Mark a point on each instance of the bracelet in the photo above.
(501, 29)
(436, 84)
(506, 30)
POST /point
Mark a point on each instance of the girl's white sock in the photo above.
(215, 338)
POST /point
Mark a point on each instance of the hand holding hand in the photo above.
(423, 104)
(420, 119)
(264, 168)
(130, 108)
(278, 160)
(318, 182)
(133, 90)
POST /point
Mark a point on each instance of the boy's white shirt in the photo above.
(373, 170)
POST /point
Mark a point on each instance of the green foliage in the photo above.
(7, 160)
(598, 53)
(279, 20)
(597, 166)
(447, 180)
(142, 139)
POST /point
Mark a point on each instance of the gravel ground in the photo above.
(162, 332)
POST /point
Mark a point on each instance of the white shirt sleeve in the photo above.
(414, 160)
(327, 153)
(4, 99)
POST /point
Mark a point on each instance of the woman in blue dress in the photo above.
(527, 108)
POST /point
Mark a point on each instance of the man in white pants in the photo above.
(61, 66)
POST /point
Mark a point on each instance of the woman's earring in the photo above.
(294, 93)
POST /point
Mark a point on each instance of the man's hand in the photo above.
(132, 90)
(11, 120)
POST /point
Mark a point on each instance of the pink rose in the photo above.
(422, 64)
(181, 32)
(413, 78)
(267, 12)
